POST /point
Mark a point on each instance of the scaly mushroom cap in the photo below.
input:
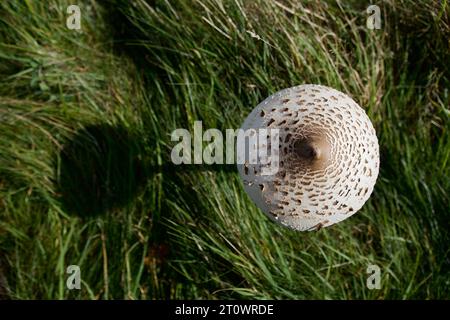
(328, 157)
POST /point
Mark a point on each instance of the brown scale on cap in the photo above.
(328, 157)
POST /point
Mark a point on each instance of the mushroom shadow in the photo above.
(99, 170)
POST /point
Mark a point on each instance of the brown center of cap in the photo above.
(313, 150)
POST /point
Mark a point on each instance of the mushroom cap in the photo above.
(328, 157)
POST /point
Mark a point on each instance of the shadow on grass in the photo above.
(99, 170)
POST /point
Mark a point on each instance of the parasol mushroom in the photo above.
(328, 157)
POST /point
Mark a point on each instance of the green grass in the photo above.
(85, 123)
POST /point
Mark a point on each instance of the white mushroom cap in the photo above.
(328, 157)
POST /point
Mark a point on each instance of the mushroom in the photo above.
(328, 157)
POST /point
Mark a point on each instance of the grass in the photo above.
(85, 174)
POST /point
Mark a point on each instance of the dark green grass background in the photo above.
(85, 123)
